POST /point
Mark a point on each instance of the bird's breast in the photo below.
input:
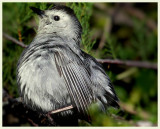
(40, 85)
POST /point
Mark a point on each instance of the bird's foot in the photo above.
(50, 118)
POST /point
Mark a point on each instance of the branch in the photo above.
(129, 63)
(31, 121)
(19, 100)
(62, 109)
(103, 61)
(119, 17)
(14, 40)
(16, 107)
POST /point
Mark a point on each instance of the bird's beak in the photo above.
(37, 11)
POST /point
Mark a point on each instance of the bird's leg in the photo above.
(50, 118)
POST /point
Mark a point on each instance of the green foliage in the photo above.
(81, 9)
(104, 119)
(109, 48)
(141, 45)
(15, 22)
(136, 88)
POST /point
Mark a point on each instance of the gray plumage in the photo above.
(53, 72)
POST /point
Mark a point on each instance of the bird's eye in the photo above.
(56, 18)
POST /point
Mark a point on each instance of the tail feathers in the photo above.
(111, 100)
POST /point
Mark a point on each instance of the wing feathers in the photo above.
(77, 80)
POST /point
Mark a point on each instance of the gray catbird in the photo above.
(53, 72)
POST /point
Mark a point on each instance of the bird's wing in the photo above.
(102, 86)
(49, 73)
(76, 77)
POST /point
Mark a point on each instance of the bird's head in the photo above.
(59, 20)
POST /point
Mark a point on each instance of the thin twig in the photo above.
(62, 109)
(129, 63)
(119, 16)
(141, 15)
(14, 40)
(19, 100)
(31, 121)
(103, 61)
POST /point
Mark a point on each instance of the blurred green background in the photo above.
(125, 31)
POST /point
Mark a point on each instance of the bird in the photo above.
(53, 72)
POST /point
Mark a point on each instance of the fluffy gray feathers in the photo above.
(53, 72)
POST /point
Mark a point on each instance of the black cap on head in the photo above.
(37, 11)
